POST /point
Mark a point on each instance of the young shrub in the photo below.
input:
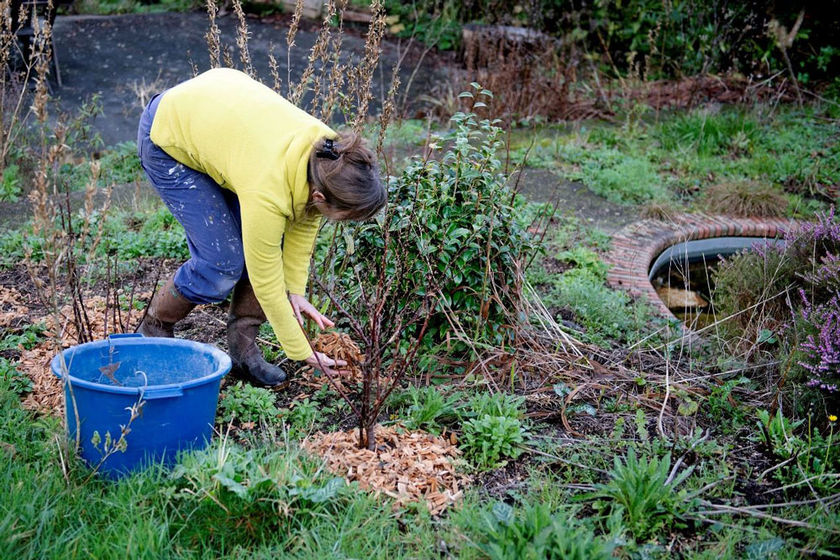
(645, 491)
(489, 441)
(463, 232)
(246, 403)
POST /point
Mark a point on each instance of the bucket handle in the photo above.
(162, 393)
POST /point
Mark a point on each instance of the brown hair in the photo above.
(344, 170)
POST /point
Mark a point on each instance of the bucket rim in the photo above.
(222, 369)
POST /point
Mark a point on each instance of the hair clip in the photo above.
(327, 151)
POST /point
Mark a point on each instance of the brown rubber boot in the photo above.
(244, 322)
(167, 308)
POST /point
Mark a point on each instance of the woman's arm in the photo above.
(263, 227)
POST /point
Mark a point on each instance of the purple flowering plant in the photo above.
(819, 314)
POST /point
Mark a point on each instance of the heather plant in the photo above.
(791, 287)
(820, 351)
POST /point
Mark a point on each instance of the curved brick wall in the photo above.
(636, 246)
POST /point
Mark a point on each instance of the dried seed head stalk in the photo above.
(213, 35)
(319, 51)
(227, 56)
(330, 100)
(90, 193)
(387, 114)
(275, 69)
(6, 36)
(362, 77)
(324, 54)
(290, 42)
(40, 52)
(242, 36)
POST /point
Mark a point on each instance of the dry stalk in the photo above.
(274, 68)
(290, 42)
(361, 77)
(320, 52)
(213, 35)
(242, 35)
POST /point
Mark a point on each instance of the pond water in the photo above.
(683, 275)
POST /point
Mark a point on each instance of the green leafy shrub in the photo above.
(488, 441)
(644, 492)
(461, 223)
(533, 532)
(244, 402)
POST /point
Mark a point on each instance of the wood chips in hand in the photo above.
(338, 346)
(408, 466)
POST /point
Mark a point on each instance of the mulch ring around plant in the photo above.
(408, 466)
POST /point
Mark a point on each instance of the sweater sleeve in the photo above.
(262, 235)
(298, 244)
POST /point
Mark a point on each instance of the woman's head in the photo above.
(344, 179)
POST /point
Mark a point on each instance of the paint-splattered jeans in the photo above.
(209, 214)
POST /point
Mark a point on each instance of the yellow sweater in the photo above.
(255, 143)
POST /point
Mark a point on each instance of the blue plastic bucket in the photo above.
(172, 383)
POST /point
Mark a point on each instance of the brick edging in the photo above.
(635, 247)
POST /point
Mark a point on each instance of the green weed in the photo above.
(489, 441)
(13, 380)
(534, 531)
(645, 492)
(25, 338)
(498, 403)
(244, 402)
(301, 417)
(430, 408)
(10, 183)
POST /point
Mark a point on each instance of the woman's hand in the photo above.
(301, 306)
(321, 361)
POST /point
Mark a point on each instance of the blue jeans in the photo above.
(209, 214)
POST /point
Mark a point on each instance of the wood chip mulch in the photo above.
(408, 466)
